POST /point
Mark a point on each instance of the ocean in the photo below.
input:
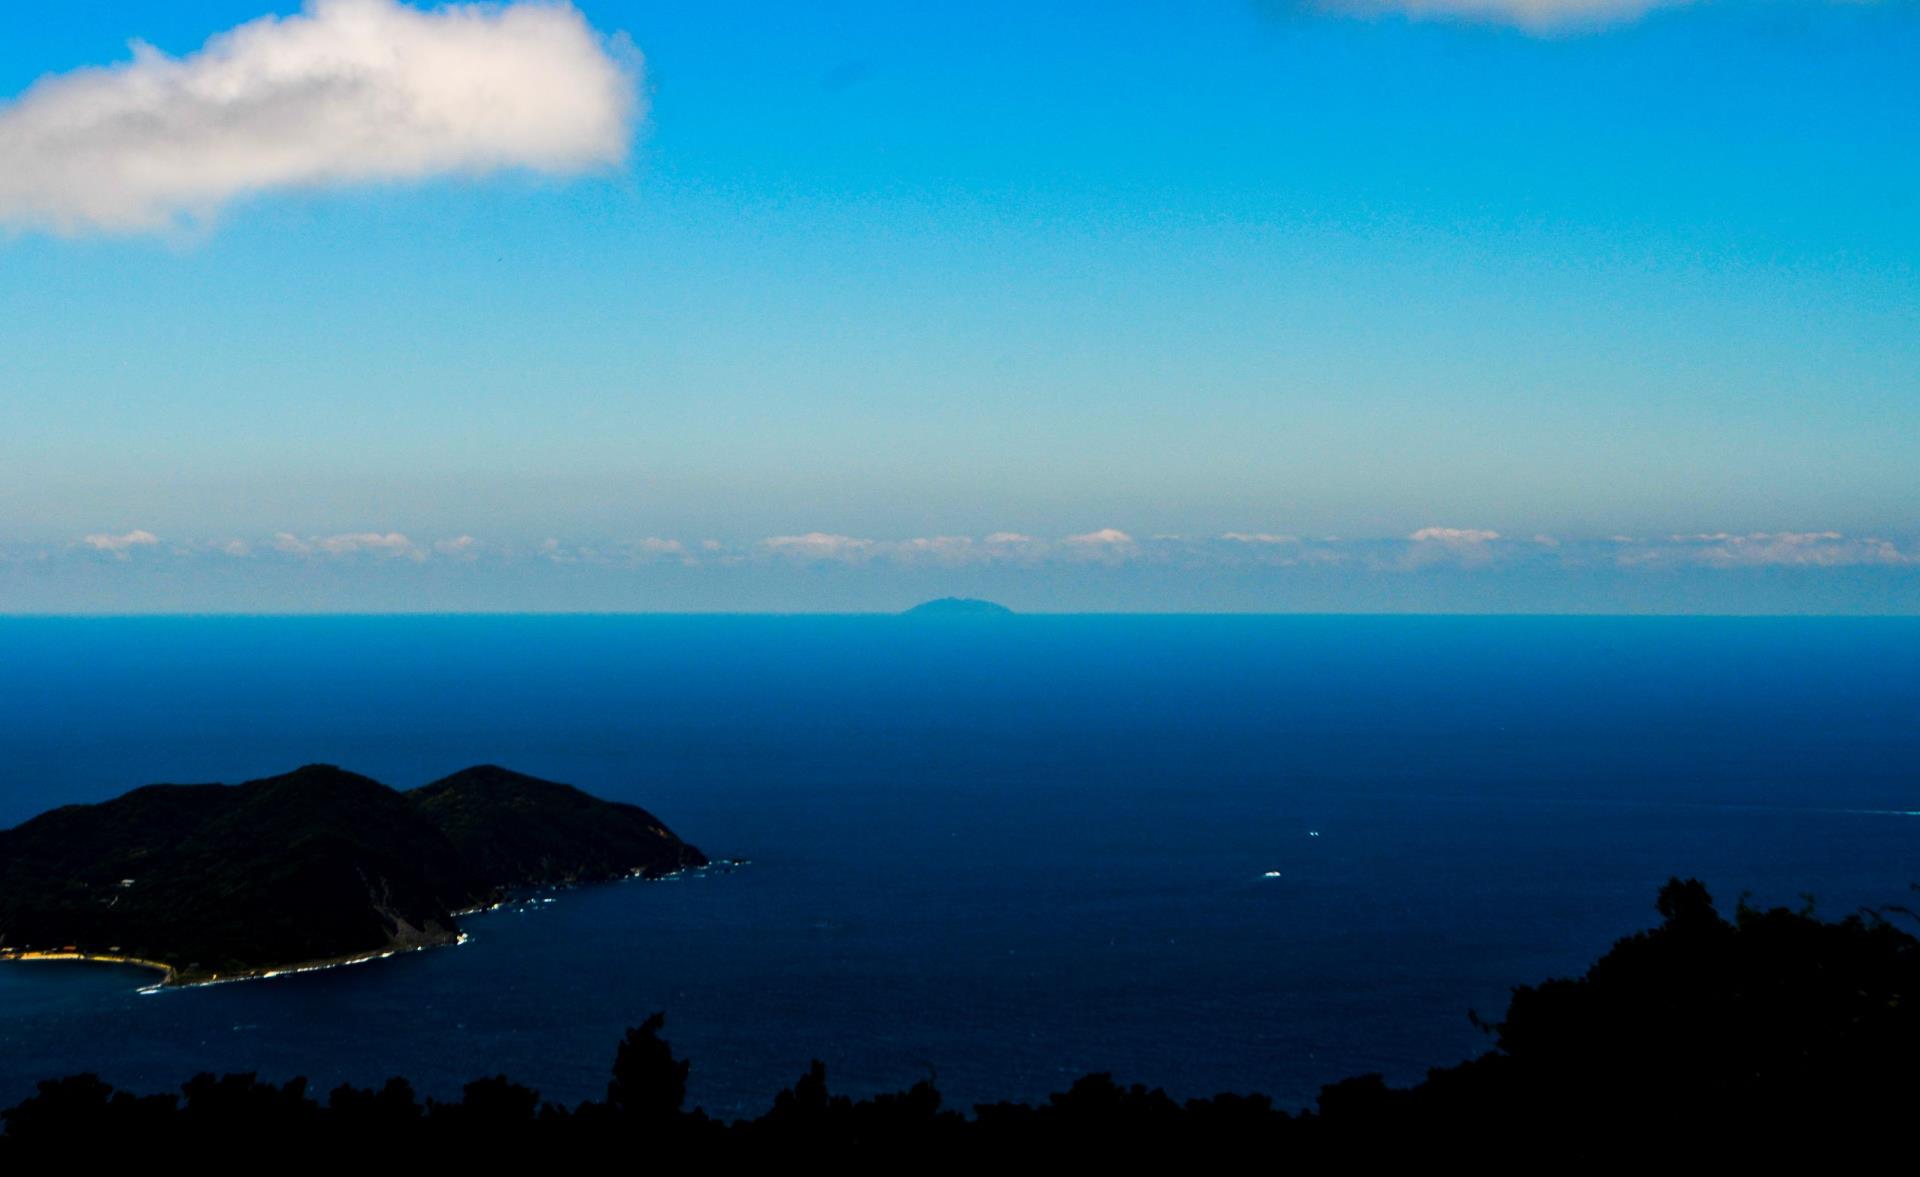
(1203, 853)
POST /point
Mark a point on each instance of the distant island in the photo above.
(319, 866)
(958, 607)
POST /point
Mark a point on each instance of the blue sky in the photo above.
(1625, 303)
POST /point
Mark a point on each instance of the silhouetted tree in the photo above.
(1763, 1040)
(649, 1085)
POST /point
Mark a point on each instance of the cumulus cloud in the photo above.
(940, 549)
(1774, 549)
(390, 543)
(552, 549)
(653, 545)
(1453, 535)
(1105, 537)
(463, 547)
(618, 552)
(120, 545)
(1465, 547)
(345, 92)
(819, 545)
(1538, 16)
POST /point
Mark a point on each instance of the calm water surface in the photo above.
(1006, 854)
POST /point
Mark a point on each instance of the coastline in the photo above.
(168, 971)
(179, 980)
(173, 977)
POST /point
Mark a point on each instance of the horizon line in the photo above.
(396, 614)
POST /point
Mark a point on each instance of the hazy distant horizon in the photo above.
(1249, 304)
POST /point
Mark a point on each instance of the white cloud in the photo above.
(1537, 16)
(1453, 535)
(120, 545)
(1462, 547)
(613, 553)
(819, 545)
(1776, 549)
(1540, 17)
(390, 543)
(1108, 545)
(552, 549)
(463, 547)
(347, 91)
(939, 549)
(1105, 537)
(650, 550)
(1259, 537)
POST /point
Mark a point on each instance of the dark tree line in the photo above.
(1770, 1038)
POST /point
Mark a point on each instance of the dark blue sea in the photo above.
(1004, 854)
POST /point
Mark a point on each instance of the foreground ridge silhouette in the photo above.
(1770, 1037)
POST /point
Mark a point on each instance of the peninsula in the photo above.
(319, 866)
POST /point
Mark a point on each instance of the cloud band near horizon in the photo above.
(1427, 547)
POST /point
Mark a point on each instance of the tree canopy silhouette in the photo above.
(1761, 1038)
